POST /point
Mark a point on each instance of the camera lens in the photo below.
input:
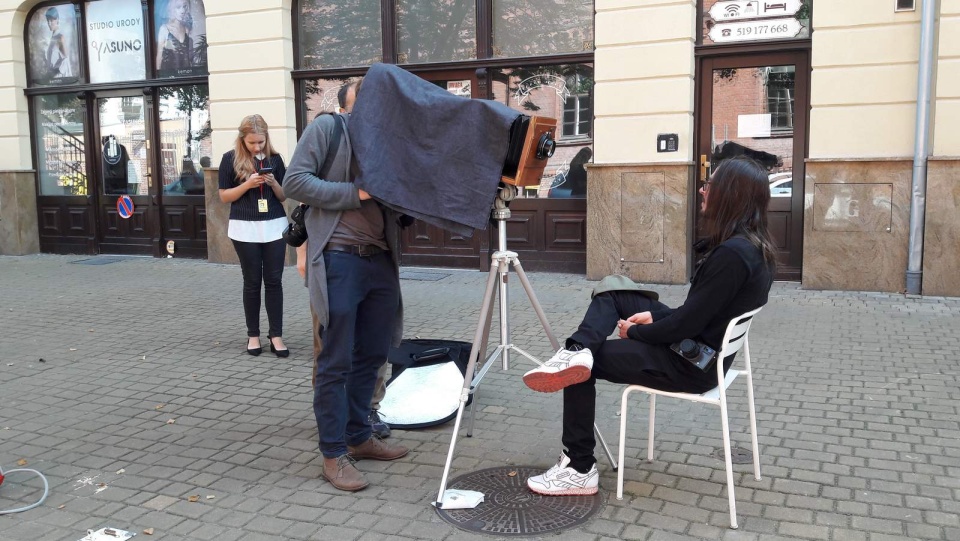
(689, 348)
(546, 147)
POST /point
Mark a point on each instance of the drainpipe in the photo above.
(921, 151)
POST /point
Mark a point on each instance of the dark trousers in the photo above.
(624, 361)
(262, 262)
(363, 294)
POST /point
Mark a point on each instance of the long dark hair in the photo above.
(738, 195)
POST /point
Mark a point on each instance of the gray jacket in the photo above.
(328, 198)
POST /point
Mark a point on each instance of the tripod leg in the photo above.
(553, 341)
(536, 304)
(483, 351)
(478, 337)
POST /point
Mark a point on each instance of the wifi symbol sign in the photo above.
(733, 10)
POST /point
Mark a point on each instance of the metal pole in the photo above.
(921, 151)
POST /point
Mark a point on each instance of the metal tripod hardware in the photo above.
(500, 263)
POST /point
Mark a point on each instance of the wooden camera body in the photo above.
(532, 140)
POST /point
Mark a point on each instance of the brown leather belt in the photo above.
(362, 250)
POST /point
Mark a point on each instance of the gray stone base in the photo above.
(19, 234)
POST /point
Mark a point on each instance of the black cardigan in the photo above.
(246, 207)
(732, 280)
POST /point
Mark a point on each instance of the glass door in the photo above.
(756, 105)
(126, 202)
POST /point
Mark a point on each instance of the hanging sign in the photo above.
(753, 9)
(755, 30)
(125, 206)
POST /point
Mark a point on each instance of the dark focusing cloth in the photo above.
(426, 153)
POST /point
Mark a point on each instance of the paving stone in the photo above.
(848, 453)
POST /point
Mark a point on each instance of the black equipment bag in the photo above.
(426, 381)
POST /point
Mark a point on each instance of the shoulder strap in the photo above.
(333, 147)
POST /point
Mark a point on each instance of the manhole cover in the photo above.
(738, 455)
(509, 508)
(423, 276)
(102, 260)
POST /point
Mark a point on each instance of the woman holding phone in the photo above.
(251, 178)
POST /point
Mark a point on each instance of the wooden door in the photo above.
(757, 104)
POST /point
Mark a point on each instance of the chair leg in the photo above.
(652, 423)
(753, 427)
(623, 440)
(728, 462)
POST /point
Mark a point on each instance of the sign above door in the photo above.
(737, 10)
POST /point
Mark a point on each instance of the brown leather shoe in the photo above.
(343, 474)
(377, 449)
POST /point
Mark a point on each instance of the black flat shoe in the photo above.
(279, 352)
(255, 351)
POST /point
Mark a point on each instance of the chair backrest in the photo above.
(736, 334)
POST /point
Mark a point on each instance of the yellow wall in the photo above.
(864, 80)
(947, 110)
(14, 120)
(250, 69)
(644, 79)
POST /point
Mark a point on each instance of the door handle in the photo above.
(704, 168)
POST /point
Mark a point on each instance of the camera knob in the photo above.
(690, 349)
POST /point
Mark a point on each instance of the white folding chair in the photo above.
(734, 339)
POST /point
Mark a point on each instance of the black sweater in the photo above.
(732, 280)
(246, 207)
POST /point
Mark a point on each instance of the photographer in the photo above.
(353, 277)
(346, 96)
(734, 277)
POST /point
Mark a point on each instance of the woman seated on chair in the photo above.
(734, 276)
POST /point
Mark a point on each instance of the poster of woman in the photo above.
(54, 52)
(181, 38)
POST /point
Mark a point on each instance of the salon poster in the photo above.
(115, 41)
(54, 46)
(181, 34)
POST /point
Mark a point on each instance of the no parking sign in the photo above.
(125, 206)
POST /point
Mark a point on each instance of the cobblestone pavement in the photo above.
(127, 386)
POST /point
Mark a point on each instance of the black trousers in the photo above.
(624, 361)
(262, 262)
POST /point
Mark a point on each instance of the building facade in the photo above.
(109, 103)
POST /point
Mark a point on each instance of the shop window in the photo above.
(59, 132)
(436, 30)
(345, 33)
(562, 92)
(747, 21)
(181, 33)
(54, 45)
(541, 27)
(115, 44)
(185, 144)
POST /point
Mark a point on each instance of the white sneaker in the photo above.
(562, 480)
(563, 369)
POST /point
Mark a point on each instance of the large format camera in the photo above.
(531, 144)
(296, 232)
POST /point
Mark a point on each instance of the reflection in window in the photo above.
(60, 144)
(540, 27)
(578, 108)
(552, 91)
(339, 34)
(185, 145)
(436, 30)
(780, 82)
(320, 96)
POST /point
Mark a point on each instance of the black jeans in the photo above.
(262, 262)
(624, 361)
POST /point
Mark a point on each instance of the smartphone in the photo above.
(265, 170)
